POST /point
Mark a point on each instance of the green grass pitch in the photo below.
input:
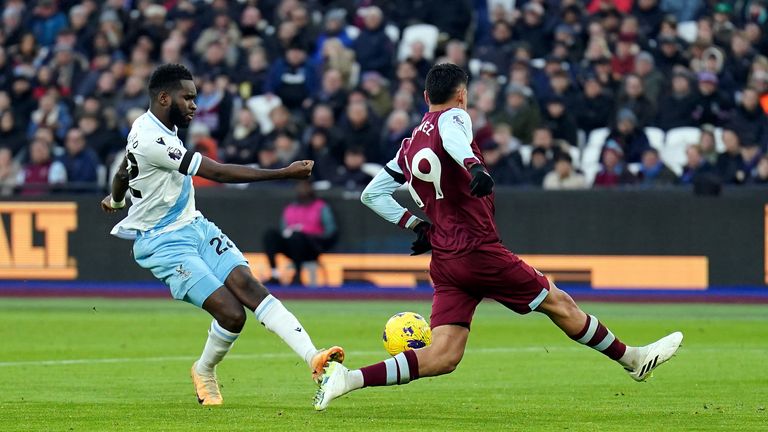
(122, 365)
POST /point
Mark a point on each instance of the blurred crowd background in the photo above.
(563, 93)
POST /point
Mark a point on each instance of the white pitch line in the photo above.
(256, 356)
(251, 356)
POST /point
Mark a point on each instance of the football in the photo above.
(404, 331)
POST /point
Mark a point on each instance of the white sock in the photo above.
(275, 273)
(219, 342)
(277, 319)
(354, 380)
(631, 357)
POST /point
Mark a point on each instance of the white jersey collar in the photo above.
(160, 124)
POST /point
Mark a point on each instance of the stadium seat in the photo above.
(393, 33)
(655, 137)
(678, 139)
(575, 154)
(261, 106)
(581, 138)
(719, 144)
(688, 30)
(590, 172)
(598, 137)
(595, 142)
(525, 154)
(427, 34)
(101, 175)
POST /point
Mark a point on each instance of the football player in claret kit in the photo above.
(443, 169)
(190, 254)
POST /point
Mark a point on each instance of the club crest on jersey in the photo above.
(160, 141)
(183, 273)
(174, 153)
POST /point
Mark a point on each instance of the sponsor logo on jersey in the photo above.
(160, 141)
(459, 121)
(182, 273)
(174, 153)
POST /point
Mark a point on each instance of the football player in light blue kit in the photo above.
(190, 254)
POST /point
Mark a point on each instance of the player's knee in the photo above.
(233, 319)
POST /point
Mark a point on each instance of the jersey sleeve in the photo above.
(455, 127)
(171, 157)
(378, 196)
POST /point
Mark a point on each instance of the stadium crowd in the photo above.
(563, 93)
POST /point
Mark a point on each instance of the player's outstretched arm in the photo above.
(230, 173)
(116, 200)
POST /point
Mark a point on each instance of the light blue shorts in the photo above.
(193, 261)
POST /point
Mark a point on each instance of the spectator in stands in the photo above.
(760, 177)
(630, 138)
(564, 176)
(51, 114)
(653, 80)
(242, 143)
(292, 78)
(708, 144)
(98, 137)
(456, 53)
(287, 148)
(377, 90)
(307, 229)
(332, 92)
(712, 106)
(749, 121)
(360, 130)
(649, 16)
(223, 29)
(351, 175)
(334, 28)
(502, 135)
(11, 137)
(751, 155)
(500, 167)
(682, 10)
(282, 122)
(538, 167)
(268, 156)
(326, 167)
(398, 127)
(633, 97)
(653, 172)
(47, 21)
(336, 56)
(669, 55)
(559, 121)
(533, 31)
(730, 164)
(696, 166)
(593, 108)
(676, 108)
(214, 106)
(133, 95)
(373, 48)
(561, 86)
(41, 173)
(453, 19)
(9, 172)
(80, 162)
(500, 49)
(613, 171)
(252, 77)
(519, 113)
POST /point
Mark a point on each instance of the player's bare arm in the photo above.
(231, 173)
(116, 200)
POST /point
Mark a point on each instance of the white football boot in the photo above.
(653, 355)
(333, 384)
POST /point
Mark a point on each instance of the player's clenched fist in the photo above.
(300, 169)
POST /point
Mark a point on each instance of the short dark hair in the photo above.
(443, 80)
(168, 77)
